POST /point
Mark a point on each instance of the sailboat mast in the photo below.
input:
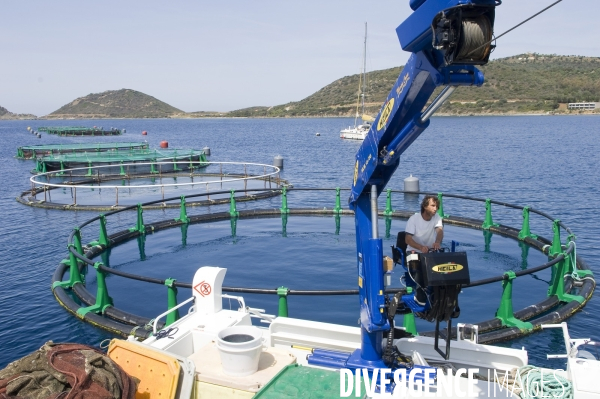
(364, 80)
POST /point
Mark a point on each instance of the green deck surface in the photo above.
(296, 381)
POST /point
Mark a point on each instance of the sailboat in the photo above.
(359, 132)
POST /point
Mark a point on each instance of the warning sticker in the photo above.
(203, 288)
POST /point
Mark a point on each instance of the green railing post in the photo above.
(284, 208)
(556, 247)
(488, 216)
(505, 311)
(525, 232)
(122, 173)
(103, 300)
(388, 203)
(233, 212)
(441, 208)
(337, 224)
(338, 202)
(283, 292)
(153, 167)
(408, 320)
(171, 301)
(139, 225)
(74, 275)
(183, 217)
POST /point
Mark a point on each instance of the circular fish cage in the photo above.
(113, 187)
(570, 285)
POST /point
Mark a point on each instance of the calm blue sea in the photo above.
(547, 162)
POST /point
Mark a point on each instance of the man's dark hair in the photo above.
(425, 202)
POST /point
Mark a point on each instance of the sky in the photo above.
(231, 54)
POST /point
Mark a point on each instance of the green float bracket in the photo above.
(556, 247)
(441, 208)
(77, 241)
(337, 224)
(284, 208)
(172, 317)
(283, 292)
(139, 225)
(122, 173)
(408, 321)
(557, 283)
(103, 238)
(505, 311)
(103, 300)
(153, 167)
(175, 168)
(183, 217)
(525, 232)
(233, 212)
(388, 203)
(338, 202)
(74, 275)
(488, 222)
(89, 172)
(62, 169)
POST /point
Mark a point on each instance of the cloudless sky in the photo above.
(231, 54)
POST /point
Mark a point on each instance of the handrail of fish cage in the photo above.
(563, 256)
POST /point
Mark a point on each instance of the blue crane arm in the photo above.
(447, 39)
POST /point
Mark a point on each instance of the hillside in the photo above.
(526, 83)
(6, 114)
(124, 103)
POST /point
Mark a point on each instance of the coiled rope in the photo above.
(537, 384)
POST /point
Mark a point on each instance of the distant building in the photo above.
(584, 106)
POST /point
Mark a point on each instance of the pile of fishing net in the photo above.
(65, 371)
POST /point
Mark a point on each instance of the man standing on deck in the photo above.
(424, 231)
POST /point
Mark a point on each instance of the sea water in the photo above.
(547, 162)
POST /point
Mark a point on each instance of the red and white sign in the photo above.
(203, 288)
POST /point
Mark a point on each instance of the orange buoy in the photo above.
(144, 133)
(164, 144)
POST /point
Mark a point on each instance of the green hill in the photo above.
(526, 83)
(124, 103)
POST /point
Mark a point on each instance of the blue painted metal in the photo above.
(398, 124)
(415, 32)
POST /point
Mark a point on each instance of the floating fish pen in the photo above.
(150, 161)
(552, 274)
(81, 131)
(100, 190)
(37, 151)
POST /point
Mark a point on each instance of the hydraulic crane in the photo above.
(447, 39)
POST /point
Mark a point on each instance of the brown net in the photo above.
(66, 371)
